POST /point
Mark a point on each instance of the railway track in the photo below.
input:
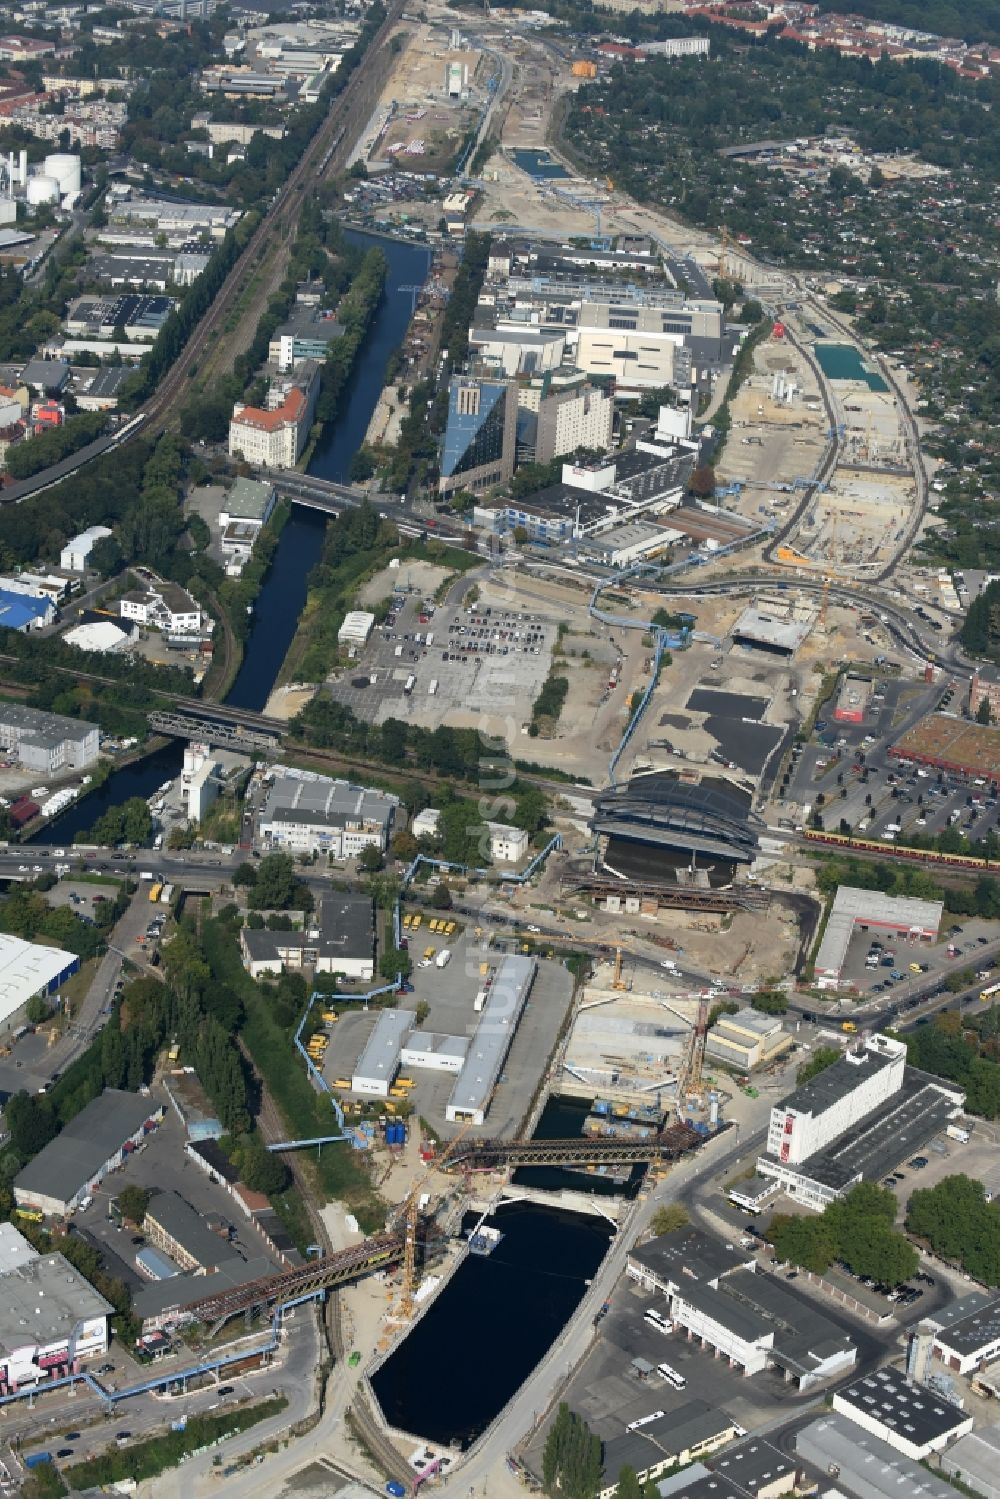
(376, 1439)
(349, 112)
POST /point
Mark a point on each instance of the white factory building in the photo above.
(855, 1122)
(508, 845)
(378, 1064)
(75, 555)
(27, 969)
(357, 627)
(909, 1417)
(307, 813)
(899, 917)
(47, 741)
(51, 1319)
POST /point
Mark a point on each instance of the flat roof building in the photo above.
(498, 1020)
(69, 1167)
(357, 627)
(75, 555)
(27, 969)
(171, 1224)
(378, 1064)
(747, 1039)
(900, 916)
(679, 1437)
(757, 1468)
(314, 814)
(47, 741)
(864, 1465)
(951, 743)
(782, 637)
(51, 1319)
(909, 1417)
(969, 1338)
(975, 1461)
(338, 937)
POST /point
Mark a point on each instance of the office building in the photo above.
(163, 606)
(51, 1319)
(559, 413)
(747, 1040)
(506, 352)
(90, 1146)
(47, 741)
(273, 437)
(313, 814)
(908, 1417)
(897, 917)
(480, 439)
(27, 969)
(305, 334)
(338, 937)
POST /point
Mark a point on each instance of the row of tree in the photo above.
(857, 1230)
(959, 1224)
(965, 1050)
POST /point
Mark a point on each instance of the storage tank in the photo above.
(43, 189)
(64, 166)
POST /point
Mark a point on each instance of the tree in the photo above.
(259, 1168)
(629, 1486)
(275, 887)
(441, 897)
(393, 962)
(983, 714)
(245, 874)
(30, 1124)
(422, 1012)
(520, 534)
(667, 1220)
(571, 1459)
(38, 1009)
(404, 846)
(133, 1202)
(770, 1002)
(370, 859)
(702, 481)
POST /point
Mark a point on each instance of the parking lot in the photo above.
(450, 994)
(430, 665)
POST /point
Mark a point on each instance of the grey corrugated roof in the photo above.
(79, 1151)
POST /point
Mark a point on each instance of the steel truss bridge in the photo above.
(277, 1290)
(488, 1155)
(667, 893)
(218, 727)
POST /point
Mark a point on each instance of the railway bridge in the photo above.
(489, 1155)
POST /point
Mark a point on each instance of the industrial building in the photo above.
(908, 1417)
(679, 1437)
(711, 819)
(480, 438)
(975, 1461)
(25, 612)
(51, 1319)
(378, 1064)
(498, 1021)
(248, 502)
(337, 937)
(716, 1295)
(946, 742)
(854, 1122)
(506, 352)
(897, 916)
(967, 1333)
(508, 845)
(307, 813)
(27, 969)
(47, 741)
(756, 1468)
(863, 1465)
(307, 333)
(747, 1040)
(71, 1166)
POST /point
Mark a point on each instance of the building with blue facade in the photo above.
(480, 439)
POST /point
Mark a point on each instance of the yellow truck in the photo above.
(848, 1026)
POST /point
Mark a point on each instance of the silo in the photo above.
(43, 189)
(64, 166)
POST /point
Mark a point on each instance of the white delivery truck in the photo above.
(443, 958)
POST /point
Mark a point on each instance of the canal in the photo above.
(491, 1324)
(283, 594)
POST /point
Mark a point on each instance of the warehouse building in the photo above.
(498, 1021)
(338, 937)
(75, 555)
(853, 699)
(25, 612)
(863, 1465)
(90, 1146)
(747, 1039)
(715, 1295)
(357, 627)
(435, 1052)
(51, 1319)
(756, 1468)
(855, 1122)
(378, 1064)
(909, 1417)
(171, 1224)
(27, 969)
(47, 741)
(313, 814)
(896, 916)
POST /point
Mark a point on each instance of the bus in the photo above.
(645, 1420)
(671, 1376)
(655, 1320)
(989, 993)
(155, 891)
